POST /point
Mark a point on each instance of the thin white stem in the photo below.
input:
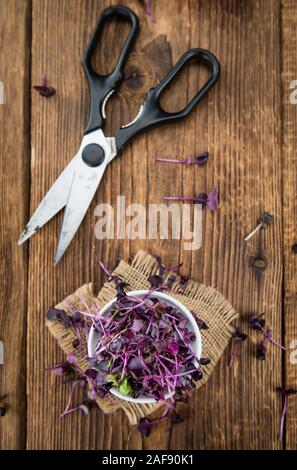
(253, 232)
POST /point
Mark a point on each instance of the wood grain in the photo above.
(289, 69)
(239, 124)
(14, 180)
(243, 123)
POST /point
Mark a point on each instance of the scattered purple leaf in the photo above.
(156, 280)
(147, 8)
(261, 351)
(204, 361)
(257, 322)
(210, 199)
(201, 323)
(285, 392)
(199, 160)
(237, 338)
(144, 426)
(109, 274)
(43, 89)
(71, 359)
(202, 159)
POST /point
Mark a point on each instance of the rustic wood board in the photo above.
(14, 176)
(241, 124)
(289, 69)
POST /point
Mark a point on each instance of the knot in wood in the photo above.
(138, 76)
(258, 263)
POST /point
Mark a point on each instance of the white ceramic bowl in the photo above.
(197, 344)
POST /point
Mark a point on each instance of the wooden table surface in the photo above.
(249, 127)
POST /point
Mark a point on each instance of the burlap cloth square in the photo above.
(207, 302)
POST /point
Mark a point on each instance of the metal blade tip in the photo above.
(59, 255)
(28, 232)
(24, 237)
(57, 259)
(20, 242)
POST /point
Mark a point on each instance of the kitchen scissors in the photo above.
(74, 189)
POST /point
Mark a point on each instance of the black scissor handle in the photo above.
(101, 86)
(152, 113)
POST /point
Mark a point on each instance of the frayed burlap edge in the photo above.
(206, 302)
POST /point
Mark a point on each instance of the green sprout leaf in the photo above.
(113, 379)
(125, 387)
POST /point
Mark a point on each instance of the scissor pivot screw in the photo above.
(93, 155)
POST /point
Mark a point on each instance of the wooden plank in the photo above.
(239, 124)
(289, 69)
(57, 127)
(14, 177)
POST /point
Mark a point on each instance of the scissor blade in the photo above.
(84, 184)
(113, 148)
(54, 200)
